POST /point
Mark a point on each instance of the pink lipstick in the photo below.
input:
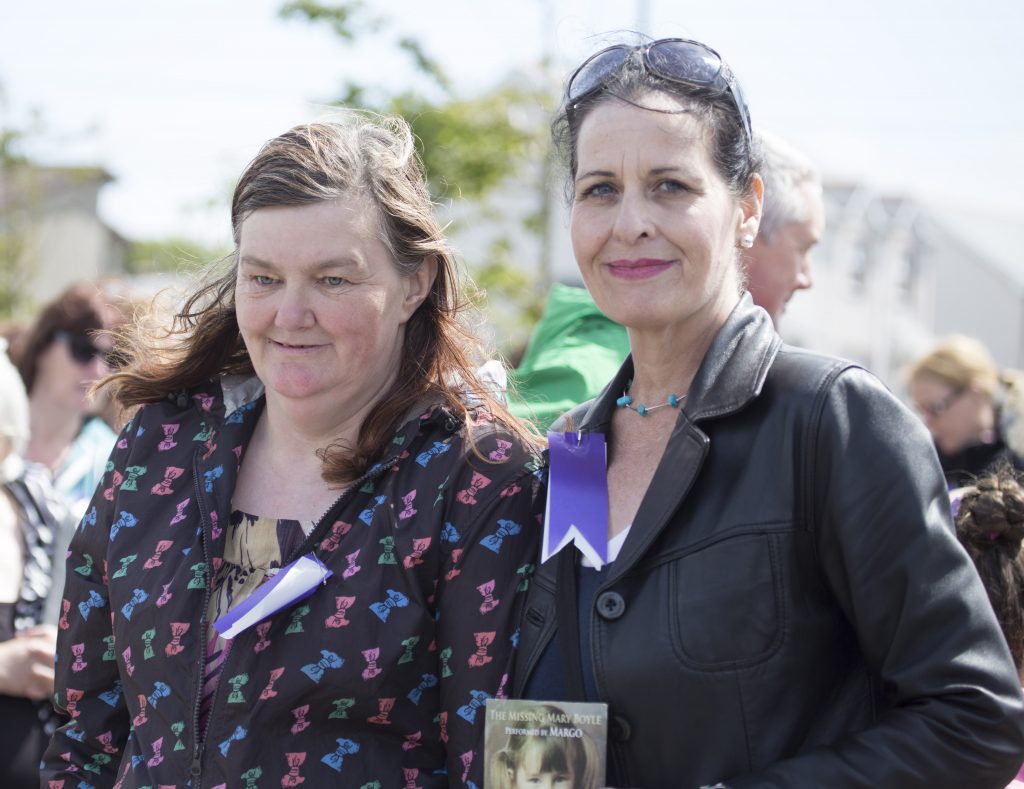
(641, 268)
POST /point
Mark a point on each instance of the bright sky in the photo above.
(173, 97)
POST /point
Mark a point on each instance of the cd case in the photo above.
(553, 743)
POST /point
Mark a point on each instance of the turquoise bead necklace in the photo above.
(627, 402)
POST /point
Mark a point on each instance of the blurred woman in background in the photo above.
(60, 356)
(30, 514)
(974, 410)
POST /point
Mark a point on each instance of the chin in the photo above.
(294, 386)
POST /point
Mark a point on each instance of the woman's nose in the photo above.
(633, 220)
(294, 311)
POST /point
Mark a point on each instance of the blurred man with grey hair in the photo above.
(779, 264)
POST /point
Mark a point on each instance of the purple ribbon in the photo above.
(577, 507)
(303, 576)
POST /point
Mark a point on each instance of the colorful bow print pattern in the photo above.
(390, 660)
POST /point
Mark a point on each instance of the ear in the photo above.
(418, 285)
(750, 208)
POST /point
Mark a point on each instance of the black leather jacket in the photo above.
(791, 607)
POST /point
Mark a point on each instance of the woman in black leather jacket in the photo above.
(788, 605)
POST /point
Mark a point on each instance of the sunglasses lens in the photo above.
(82, 351)
(595, 71)
(684, 61)
(79, 347)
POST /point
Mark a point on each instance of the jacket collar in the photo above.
(731, 374)
(239, 391)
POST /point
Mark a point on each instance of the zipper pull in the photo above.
(195, 771)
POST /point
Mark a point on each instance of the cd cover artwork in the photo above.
(557, 743)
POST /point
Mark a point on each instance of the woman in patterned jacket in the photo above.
(312, 418)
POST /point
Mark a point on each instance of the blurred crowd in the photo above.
(826, 564)
(54, 442)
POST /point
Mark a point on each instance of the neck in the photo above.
(291, 432)
(300, 427)
(51, 431)
(666, 360)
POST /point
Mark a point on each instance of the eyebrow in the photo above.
(321, 265)
(654, 171)
(595, 173)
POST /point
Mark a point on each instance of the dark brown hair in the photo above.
(83, 308)
(312, 163)
(990, 525)
(733, 153)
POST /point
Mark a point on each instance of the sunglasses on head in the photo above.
(81, 347)
(677, 60)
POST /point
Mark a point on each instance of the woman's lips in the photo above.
(293, 348)
(638, 269)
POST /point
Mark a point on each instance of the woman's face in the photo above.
(320, 305)
(530, 774)
(954, 417)
(68, 367)
(654, 226)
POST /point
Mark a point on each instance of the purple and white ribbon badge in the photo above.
(577, 506)
(293, 582)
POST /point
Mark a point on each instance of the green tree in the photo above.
(170, 255)
(472, 149)
(18, 201)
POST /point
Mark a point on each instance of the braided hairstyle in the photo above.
(990, 525)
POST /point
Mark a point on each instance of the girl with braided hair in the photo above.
(989, 519)
(990, 525)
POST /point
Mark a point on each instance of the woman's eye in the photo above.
(262, 279)
(334, 282)
(671, 186)
(598, 190)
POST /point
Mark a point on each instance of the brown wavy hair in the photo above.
(373, 157)
(990, 525)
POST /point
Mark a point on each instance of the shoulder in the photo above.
(821, 381)
(1010, 400)
(34, 490)
(571, 418)
(490, 442)
(475, 447)
(197, 403)
(96, 432)
(802, 370)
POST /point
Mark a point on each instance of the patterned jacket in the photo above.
(376, 680)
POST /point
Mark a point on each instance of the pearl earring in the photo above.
(746, 241)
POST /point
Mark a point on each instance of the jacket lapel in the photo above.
(730, 376)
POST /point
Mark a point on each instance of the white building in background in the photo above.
(892, 275)
(52, 213)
